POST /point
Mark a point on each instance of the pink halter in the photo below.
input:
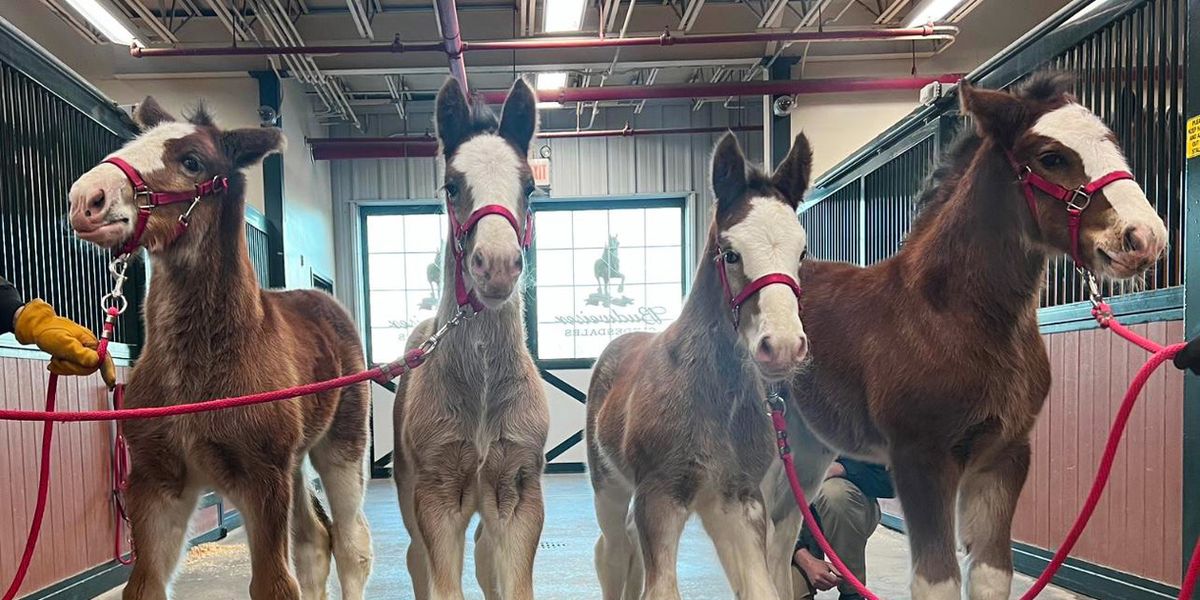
(212, 187)
(1077, 200)
(458, 235)
(752, 288)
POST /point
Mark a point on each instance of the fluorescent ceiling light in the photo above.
(931, 11)
(550, 105)
(551, 81)
(103, 20)
(563, 15)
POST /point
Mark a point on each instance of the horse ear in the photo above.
(728, 173)
(453, 116)
(245, 147)
(998, 115)
(794, 173)
(519, 117)
(150, 113)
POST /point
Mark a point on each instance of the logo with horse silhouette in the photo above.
(606, 269)
(433, 275)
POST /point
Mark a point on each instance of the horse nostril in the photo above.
(765, 349)
(477, 261)
(1134, 240)
(519, 263)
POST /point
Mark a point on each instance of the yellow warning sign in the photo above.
(1193, 137)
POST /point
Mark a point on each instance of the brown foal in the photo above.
(676, 421)
(931, 361)
(211, 333)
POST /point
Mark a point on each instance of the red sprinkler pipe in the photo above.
(727, 89)
(455, 46)
(447, 14)
(422, 146)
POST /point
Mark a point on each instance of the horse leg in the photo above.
(987, 499)
(615, 551)
(311, 541)
(512, 512)
(160, 502)
(812, 459)
(621, 287)
(343, 479)
(485, 564)
(264, 494)
(443, 503)
(636, 580)
(739, 528)
(927, 479)
(659, 518)
(416, 558)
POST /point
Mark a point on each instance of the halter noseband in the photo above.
(737, 300)
(1076, 200)
(458, 235)
(212, 187)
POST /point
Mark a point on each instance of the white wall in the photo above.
(839, 124)
(307, 202)
(233, 102)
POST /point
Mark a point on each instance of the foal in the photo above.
(210, 333)
(931, 360)
(676, 421)
(471, 424)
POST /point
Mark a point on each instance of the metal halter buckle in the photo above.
(1095, 295)
(1024, 173)
(1079, 206)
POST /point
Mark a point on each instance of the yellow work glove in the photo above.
(72, 348)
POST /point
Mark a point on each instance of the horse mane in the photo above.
(200, 116)
(483, 118)
(1047, 87)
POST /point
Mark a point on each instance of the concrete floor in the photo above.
(221, 571)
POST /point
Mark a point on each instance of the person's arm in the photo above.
(1188, 359)
(10, 304)
(872, 479)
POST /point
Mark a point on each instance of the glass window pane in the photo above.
(619, 284)
(404, 280)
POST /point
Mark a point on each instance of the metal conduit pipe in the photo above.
(455, 46)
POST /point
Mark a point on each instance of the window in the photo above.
(602, 272)
(403, 276)
(600, 269)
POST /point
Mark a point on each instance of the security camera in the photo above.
(783, 106)
(267, 116)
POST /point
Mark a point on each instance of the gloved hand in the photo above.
(1189, 357)
(72, 348)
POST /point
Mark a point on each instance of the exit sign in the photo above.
(541, 171)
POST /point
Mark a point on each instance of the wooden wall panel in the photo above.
(1137, 526)
(77, 533)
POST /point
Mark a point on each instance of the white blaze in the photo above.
(770, 239)
(491, 169)
(1077, 128)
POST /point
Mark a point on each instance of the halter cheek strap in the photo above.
(737, 300)
(458, 235)
(1076, 200)
(147, 200)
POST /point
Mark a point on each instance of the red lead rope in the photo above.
(1104, 316)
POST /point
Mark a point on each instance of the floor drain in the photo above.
(549, 545)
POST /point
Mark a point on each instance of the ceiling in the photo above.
(345, 87)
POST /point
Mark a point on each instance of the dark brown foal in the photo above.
(931, 360)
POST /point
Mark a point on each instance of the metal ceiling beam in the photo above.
(147, 16)
(890, 13)
(362, 21)
(690, 14)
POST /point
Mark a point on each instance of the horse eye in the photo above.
(804, 254)
(731, 257)
(451, 190)
(1052, 160)
(191, 164)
